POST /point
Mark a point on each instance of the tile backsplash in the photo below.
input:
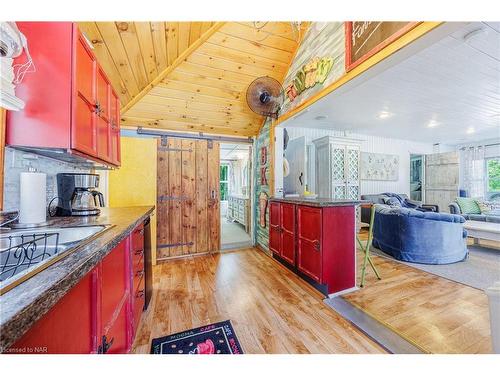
(17, 161)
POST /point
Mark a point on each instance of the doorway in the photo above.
(416, 177)
(187, 197)
(235, 195)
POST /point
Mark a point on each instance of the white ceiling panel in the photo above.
(449, 92)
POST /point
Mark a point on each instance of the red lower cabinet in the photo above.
(69, 327)
(114, 299)
(309, 241)
(287, 223)
(101, 313)
(317, 241)
(274, 228)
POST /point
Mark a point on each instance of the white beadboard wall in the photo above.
(402, 148)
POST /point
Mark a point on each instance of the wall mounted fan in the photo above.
(265, 96)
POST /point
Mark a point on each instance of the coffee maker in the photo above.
(78, 195)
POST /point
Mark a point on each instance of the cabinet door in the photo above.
(83, 127)
(274, 228)
(68, 328)
(114, 298)
(309, 241)
(103, 94)
(287, 214)
(103, 139)
(115, 129)
(338, 172)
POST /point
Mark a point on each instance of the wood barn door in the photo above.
(188, 219)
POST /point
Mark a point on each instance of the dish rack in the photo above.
(21, 252)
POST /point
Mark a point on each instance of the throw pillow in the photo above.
(409, 204)
(483, 206)
(468, 205)
(392, 201)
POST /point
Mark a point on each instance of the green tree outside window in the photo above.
(493, 175)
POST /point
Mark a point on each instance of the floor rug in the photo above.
(480, 270)
(218, 338)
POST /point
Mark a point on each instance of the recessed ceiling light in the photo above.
(432, 124)
(321, 117)
(471, 130)
(384, 114)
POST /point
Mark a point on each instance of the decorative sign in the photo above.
(312, 73)
(379, 167)
(263, 201)
(365, 38)
(263, 155)
(263, 178)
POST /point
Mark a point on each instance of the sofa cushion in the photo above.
(468, 205)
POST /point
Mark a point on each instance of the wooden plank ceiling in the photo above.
(134, 53)
(191, 76)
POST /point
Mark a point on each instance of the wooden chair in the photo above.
(366, 248)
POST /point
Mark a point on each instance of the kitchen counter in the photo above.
(318, 202)
(23, 305)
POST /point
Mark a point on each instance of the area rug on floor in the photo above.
(218, 338)
(480, 270)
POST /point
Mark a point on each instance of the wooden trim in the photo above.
(412, 35)
(348, 44)
(3, 119)
(183, 56)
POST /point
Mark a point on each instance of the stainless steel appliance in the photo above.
(78, 194)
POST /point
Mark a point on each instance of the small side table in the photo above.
(366, 248)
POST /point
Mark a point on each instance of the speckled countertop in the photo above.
(318, 202)
(23, 305)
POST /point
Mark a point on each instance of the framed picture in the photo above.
(363, 39)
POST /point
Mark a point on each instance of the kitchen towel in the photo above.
(32, 198)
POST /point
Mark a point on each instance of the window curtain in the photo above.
(472, 171)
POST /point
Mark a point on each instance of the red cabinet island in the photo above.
(316, 238)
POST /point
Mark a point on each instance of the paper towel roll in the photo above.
(32, 198)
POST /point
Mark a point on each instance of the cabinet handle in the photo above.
(317, 245)
(140, 294)
(139, 252)
(105, 345)
(139, 273)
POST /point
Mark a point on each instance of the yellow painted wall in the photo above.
(134, 183)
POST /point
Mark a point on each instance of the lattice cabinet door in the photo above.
(352, 172)
(338, 168)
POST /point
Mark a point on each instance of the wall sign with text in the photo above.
(365, 38)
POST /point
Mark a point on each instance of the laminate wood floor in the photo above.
(438, 315)
(271, 309)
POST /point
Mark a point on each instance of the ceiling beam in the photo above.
(184, 55)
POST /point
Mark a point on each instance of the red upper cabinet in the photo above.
(68, 98)
(115, 129)
(83, 126)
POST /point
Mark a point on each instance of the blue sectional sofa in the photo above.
(419, 237)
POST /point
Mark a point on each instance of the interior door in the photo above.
(188, 197)
(442, 173)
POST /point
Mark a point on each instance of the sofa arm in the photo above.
(430, 207)
(454, 208)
